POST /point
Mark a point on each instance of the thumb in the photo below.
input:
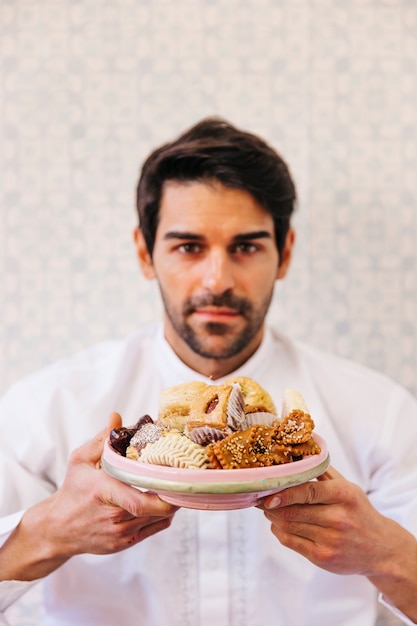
(115, 421)
(91, 451)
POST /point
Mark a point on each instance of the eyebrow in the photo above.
(257, 234)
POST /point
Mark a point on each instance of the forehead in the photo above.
(200, 207)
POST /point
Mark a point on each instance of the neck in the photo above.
(212, 367)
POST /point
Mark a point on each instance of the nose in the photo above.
(217, 272)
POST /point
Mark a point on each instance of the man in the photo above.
(215, 231)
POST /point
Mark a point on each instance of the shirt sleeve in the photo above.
(23, 480)
(7, 524)
(28, 453)
(395, 611)
(10, 591)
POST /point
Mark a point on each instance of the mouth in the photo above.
(216, 314)
(220, 309)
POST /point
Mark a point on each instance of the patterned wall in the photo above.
(88, 87)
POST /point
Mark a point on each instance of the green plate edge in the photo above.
(152, 484)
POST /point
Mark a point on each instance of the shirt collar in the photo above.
(174, 371)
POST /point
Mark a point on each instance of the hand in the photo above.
(100, 514)
(332, 523)
(90, 513)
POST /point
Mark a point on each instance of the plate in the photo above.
(214, 489)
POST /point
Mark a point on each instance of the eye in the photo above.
(244, 247)
(189, 248)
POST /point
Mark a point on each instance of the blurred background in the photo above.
(89, 87)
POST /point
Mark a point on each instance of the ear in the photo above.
(286, 254)
(144, 258)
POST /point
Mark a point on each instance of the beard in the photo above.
(199, 339)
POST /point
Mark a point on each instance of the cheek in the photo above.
(263, 280)
(173, 268)
(174, 281)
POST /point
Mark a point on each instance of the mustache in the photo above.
(228, 300)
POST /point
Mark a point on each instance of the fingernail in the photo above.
(273, 502)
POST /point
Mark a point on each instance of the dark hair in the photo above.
(213, 149)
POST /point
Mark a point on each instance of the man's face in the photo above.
(216, 263)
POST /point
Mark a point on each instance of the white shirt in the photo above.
(209, 567)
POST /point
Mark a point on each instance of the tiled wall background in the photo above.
(88, 87)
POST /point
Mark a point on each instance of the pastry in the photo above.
(254, 447)
(232, 425)
(292, 400)
(120, 437)
(217, 406)
(300, 450)
(175, 403)
(255, 397)
(147, 433)
(295, 428)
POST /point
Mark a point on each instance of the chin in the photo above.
(218, 349)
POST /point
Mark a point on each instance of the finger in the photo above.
(118, 537)
(91, 451)
(124, 519)
(298, 517)
(136, 503)
(304, 530)
(146, 531)
(298, 543)
(314, 492)
(115, 421)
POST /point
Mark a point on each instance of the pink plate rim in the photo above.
(168, 479)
